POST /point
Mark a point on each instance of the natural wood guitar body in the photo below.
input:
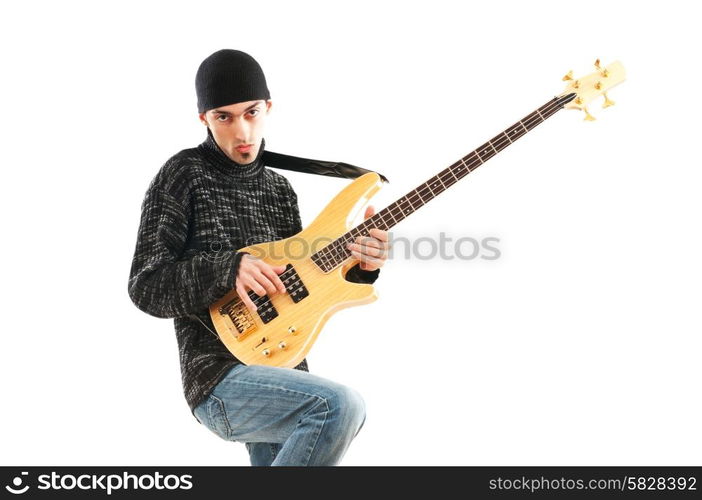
(287, 338)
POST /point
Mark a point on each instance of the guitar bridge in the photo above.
(240, 316)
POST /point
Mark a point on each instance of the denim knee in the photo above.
(351, 407)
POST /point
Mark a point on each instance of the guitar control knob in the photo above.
(292, 330)
(266, 352)
(282, 344)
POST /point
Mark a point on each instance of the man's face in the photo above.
(237, 125)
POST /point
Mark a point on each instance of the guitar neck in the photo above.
(336, 252)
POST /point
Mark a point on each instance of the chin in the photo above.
(244, 159)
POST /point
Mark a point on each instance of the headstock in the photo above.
(593, 85)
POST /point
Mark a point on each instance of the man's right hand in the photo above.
(259, 276)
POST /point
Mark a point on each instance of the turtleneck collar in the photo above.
(228, 166)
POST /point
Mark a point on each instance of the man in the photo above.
(201, 206)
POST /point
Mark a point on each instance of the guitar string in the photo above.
(332, 250)
(550, 107)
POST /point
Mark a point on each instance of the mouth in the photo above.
(244, 149)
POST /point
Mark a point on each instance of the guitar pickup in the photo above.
(266, 311)
(295, 287)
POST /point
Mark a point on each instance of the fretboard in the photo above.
(335, 253)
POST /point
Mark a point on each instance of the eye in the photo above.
(253, 111)
(221, 116)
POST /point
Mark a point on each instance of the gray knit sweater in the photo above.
(201, 207)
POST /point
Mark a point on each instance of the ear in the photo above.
(269, 103)
(202, 118)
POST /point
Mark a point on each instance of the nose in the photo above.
(241, 131)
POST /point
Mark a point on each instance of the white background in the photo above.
(580, 345)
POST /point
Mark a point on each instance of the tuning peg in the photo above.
(607, 102)
(604, 73)
(569, 76)
(588, 116)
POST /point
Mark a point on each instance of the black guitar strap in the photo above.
(319, 167)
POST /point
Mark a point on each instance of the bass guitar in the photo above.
(284, 327)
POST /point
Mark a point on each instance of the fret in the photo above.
(443, 177)
(336, 252)
(516, 131)
(333, 251)
(484, 153)
(550, 108)
(447, 178)
(382, 224)
(501, 144)
(454, 170)
(404, 211)
(394, 207)
(529, 120)
(378, 220)
(414, 202)
(324, 254)
(424, 197)
(487, 151)
(437, 187)
(392, 215)
(419, 195)
(407, 200)
(400, 211)
(552, 111)
(325, 262)
(427, 194)
(341, 248)
(479, 158)
(460, 170)
(329, 260)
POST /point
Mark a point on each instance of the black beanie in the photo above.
(229, 76)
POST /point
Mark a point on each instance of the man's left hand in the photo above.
(371, 250)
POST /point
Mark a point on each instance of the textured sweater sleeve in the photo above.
(355, 274)
(163, 284)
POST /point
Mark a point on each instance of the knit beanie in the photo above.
(227, 77)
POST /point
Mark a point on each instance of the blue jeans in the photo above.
(284, 416)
